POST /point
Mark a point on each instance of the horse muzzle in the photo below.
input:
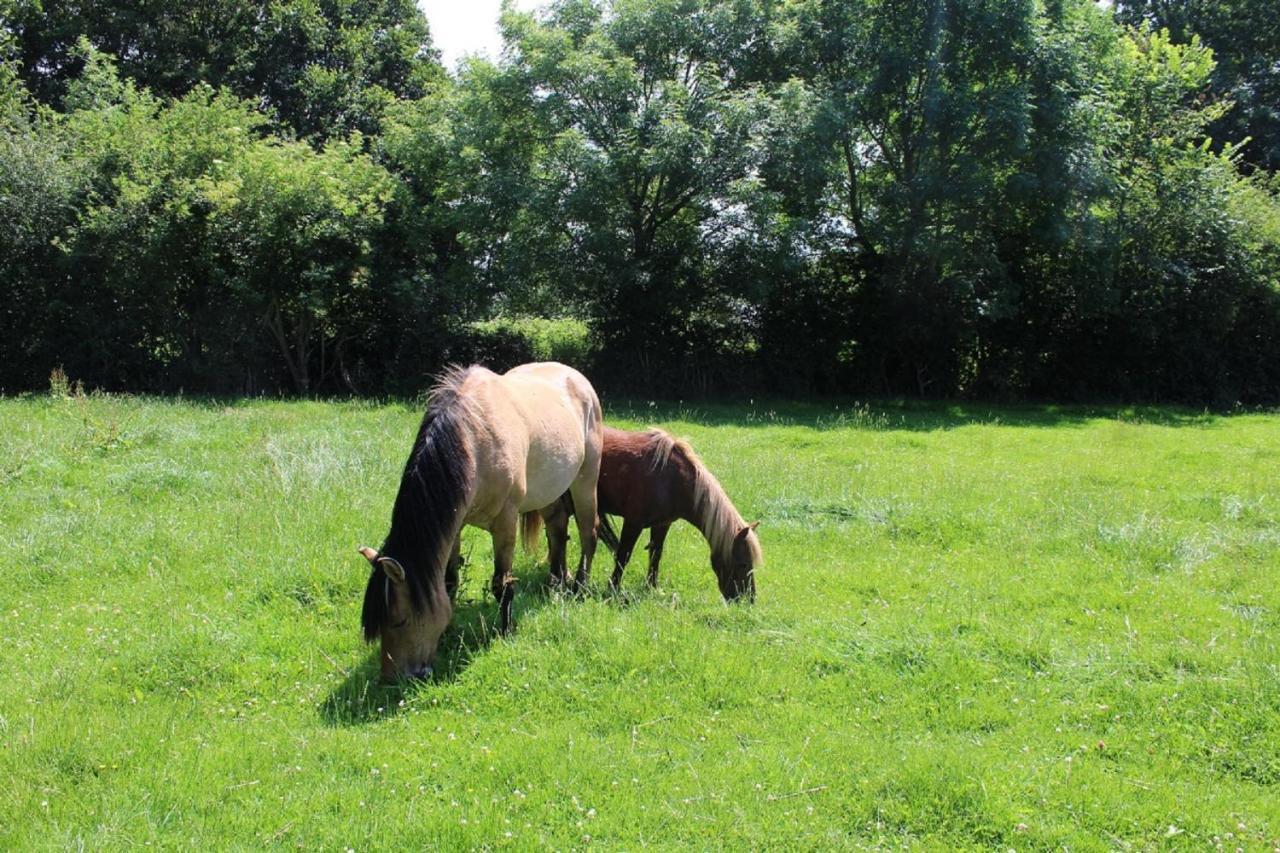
(421, 673)
(418, 673)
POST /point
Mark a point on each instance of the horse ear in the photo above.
(369, 554)
(753, 525)
(394, 570)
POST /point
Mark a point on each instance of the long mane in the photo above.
(713, 511)
(435, 489)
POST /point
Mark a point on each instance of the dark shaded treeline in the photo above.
(926, 197)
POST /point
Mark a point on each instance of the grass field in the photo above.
(1019, 627)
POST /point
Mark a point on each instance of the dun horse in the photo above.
(491, 449)
(651, 480)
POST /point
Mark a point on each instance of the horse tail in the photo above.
(607, 534)
(530, 527)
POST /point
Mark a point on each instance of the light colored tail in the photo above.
(530, 527)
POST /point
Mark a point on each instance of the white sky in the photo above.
(461, 27)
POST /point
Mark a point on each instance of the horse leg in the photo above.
(626, 544)
(451, 569)
(504, 552)
(657, 536)
(583, 491)
(556, 518)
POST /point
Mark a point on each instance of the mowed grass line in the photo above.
(1024, 627)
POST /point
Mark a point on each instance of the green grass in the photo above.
(1019, 627)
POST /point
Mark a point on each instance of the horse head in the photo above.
(409, 629)
(736, 569)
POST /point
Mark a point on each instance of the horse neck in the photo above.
(429, 550)
(435, 493)
(715, 516)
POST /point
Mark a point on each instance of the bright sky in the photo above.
(460, 27)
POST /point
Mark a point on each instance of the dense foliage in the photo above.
(934, 197)
(1245, 35)
(318, 67)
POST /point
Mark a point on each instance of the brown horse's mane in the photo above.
(714, 513)
(436, 486)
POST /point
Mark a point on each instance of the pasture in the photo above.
(1025, 627)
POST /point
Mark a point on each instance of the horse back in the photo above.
(546, 422)
(645, 477)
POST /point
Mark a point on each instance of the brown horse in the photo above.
(651, 480)
(490, 450)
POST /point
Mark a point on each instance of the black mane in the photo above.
(434, 492)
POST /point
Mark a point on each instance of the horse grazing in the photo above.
(491, 451)
(651, 480)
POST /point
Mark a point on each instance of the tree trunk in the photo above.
(295, 362)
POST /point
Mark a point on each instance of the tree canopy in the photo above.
(1026, 198)
(1245, 38)
(319, 67)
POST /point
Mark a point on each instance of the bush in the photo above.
(504, 342)
(169, 245)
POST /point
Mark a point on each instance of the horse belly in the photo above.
(557, 421)
(549, 471)
(630, 488)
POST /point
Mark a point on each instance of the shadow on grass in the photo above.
(363, 698)
(899, 415)
(820, 413)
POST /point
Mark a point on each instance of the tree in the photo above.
(1189, 251)
(323, 67)
(1245, 38)
(896, 141)
(929, 197)
(329, 67)
(646, 135)
(184, 249)
(1009, 198)
(293, 231)
(41, 185)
